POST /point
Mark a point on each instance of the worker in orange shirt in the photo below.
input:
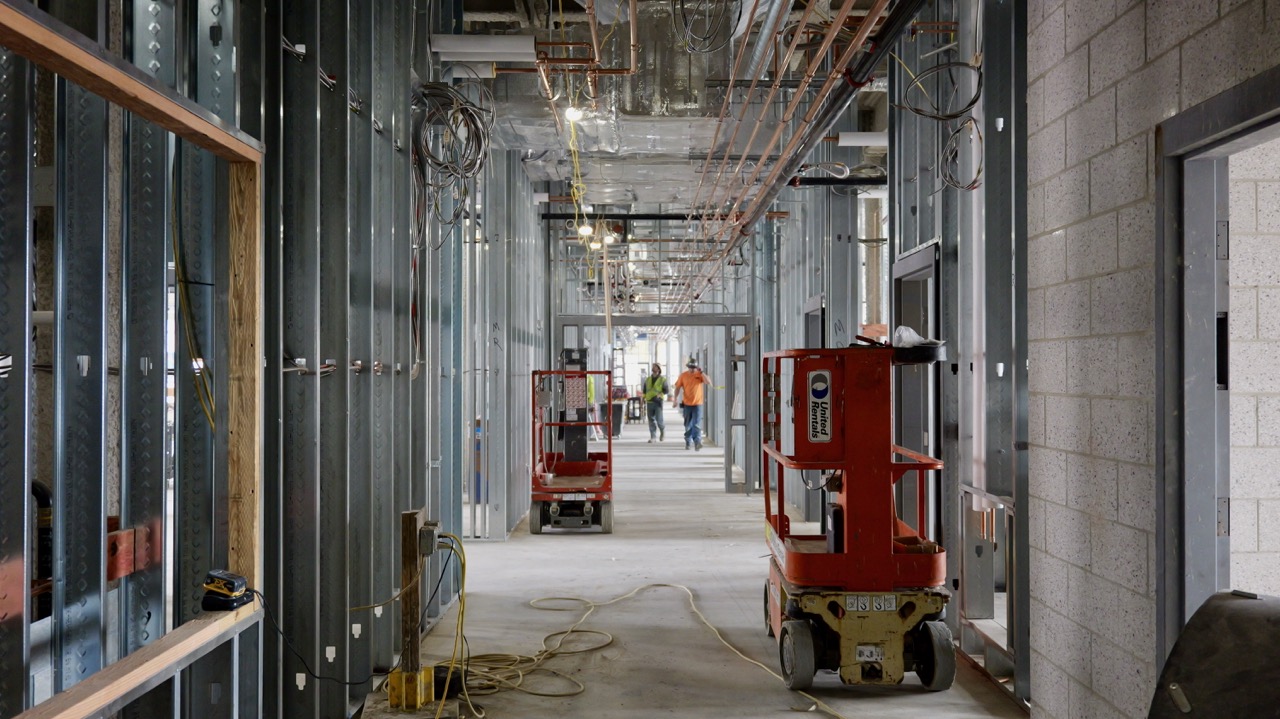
(690, 384)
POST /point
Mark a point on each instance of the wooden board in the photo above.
(45, 41)
(244, 387)
(120, 683)
(40, 38)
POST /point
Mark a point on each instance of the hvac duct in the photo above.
(768, 29)
(485, 48)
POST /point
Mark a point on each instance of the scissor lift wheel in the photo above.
(796, 655)
(606, 517)
(936, 665)
(537, 517)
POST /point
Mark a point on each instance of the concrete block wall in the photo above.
(1255, 369)
(1101, 75)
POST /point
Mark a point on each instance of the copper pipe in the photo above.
(810, 71)
(574, 61)
(551, 103)
(724, 109)
(727, 101)
(562, 44)
(835, 75)
(773, 91)
(592, 84)
(777, 215)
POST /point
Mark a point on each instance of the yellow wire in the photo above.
(913, 78)
(204, 390)
(455, 546)
(496, 672)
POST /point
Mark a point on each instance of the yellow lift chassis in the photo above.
(869, 638)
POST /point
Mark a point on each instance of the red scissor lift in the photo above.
(865, 599)
(572, 487)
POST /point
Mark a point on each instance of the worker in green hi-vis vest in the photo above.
(655, 388)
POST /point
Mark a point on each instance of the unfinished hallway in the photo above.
(962, 317)
(674, 525)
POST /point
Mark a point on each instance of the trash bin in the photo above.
(617, 408)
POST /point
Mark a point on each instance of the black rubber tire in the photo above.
(937, 664)
(535, 518)
(768, 625)
(606, 517)
(796, 655)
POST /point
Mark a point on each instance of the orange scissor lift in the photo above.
(865, 599)
(572, 486)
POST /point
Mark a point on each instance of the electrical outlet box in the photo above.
(428, 535)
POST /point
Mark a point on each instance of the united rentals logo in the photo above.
(820, 406)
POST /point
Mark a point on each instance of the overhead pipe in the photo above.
(724, 110)
(773, 90)
(817, 129)
(810, 72)
(834, 75)
(764, 41)
(545, 63)
(801, 181)
(837, 104)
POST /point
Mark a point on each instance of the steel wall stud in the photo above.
(275, 184)
(146, 246)
(361, 549)
(80, 413)
(299, 597)
(16, 296)
(334, 598)
(385, 520)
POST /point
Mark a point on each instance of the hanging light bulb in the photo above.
(594, 244)
(610, 238)
(573, 114)
(585, 229)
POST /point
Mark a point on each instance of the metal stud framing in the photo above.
(361, 482)
(80, 380)
(334, 284)
(16, 294)
(147, 247)
(345, 451)
(299, 560)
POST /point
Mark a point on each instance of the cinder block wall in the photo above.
(1255, 356)
(1102, 74)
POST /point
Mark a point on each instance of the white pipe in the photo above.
(864, 139)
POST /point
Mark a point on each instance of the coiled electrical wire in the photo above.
(451, 137)
(951, 156)
(712, 15)
(938, 110)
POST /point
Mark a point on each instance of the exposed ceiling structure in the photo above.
(616, 109)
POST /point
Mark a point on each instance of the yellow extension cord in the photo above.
(495, 672)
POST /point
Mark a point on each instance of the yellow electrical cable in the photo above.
(455, 546)
(913, 77)
(203, 387)
(486, 674)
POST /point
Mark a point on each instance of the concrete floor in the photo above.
(673, 524)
